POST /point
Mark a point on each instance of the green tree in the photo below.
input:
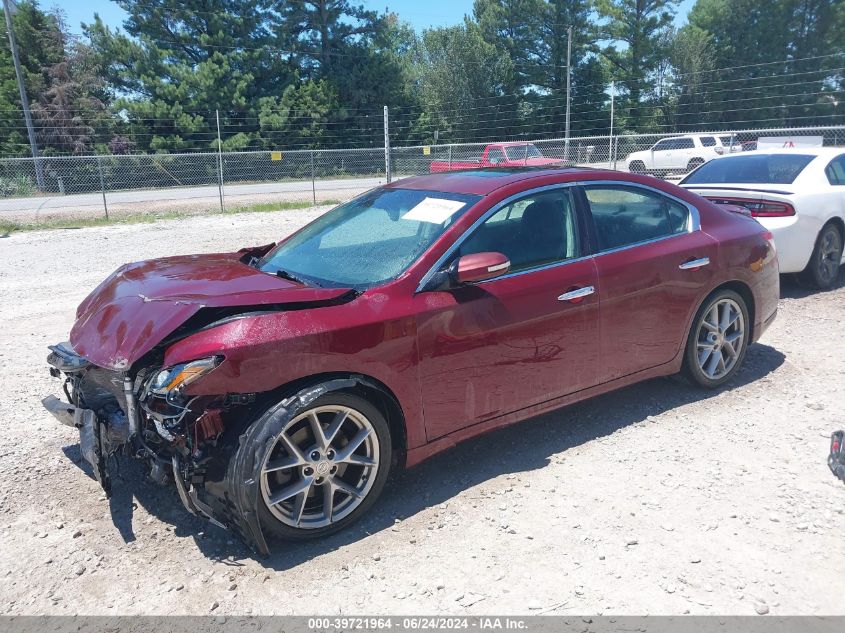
(39, 42)
(357, 51)
(692, 55)
(180, 61)
(461, 79)
(777, 58)
(636, 29)
(300, 117)
(67, 96)
(514, 26)
(588, 74)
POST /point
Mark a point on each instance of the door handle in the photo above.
(695, 263)
(575, 295)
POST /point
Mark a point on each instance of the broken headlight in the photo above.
(173, 380)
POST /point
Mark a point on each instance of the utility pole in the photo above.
(39, 171)
(386, 146)
(610, 149)
(568, 86)
(220, 162)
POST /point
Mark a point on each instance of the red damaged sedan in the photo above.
(277, 386)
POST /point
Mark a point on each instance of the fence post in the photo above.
(313, 185)
(450, 158)
(386, 146)
(103, 185)
(220, 163)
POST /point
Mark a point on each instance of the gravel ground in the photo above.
(658, 499)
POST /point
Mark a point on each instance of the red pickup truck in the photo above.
(514, 154)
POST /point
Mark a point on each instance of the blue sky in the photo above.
(419, 14)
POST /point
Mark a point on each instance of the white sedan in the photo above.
(798, 194)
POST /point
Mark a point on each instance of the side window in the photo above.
(708, 141)
(662, 145)
(630, 215)
(836, 171)
(533, 231)
(495, 156)
(685, 143)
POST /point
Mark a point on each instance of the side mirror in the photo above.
(479, 267)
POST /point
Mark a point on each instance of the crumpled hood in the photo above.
(140, 304)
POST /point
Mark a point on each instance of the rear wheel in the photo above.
(695, 163)
(327, 466)
(823, 269)
(718, 340)
(637, 167)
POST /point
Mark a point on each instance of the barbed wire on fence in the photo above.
(152, 182)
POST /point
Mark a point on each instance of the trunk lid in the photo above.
(141, 303)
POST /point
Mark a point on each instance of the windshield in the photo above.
(369, 240)
(518, 152)
(759, 168)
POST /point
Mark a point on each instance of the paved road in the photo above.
(77, 201)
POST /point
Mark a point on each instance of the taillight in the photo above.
(770, 209)
(759, 208)
(719, 150)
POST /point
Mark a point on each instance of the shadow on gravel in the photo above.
(791, 288)
(521, 448)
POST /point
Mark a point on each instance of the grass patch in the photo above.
(268, 207)
(7, 227)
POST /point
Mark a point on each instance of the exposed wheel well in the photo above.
(370, 389)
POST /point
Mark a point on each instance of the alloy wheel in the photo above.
(830, 254)
(721, 336)
(321, 467)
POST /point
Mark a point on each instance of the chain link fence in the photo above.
(118, 186)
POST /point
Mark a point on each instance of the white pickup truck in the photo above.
(679, 153)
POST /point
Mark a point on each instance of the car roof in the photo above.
(481, 182)
(512, 143)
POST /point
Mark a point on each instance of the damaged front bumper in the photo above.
(115, 414)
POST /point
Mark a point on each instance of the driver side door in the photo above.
(518, 340)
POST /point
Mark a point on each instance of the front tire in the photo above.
(822, 271)
(327, 467)
(718, 340)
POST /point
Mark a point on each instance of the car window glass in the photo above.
(667, 144)
(522, 152)
(708, 141)
(755, 168)
(630, 215)
(684, 143)
(370, 239)
(533, 231)
(836, 171)
(495, 155)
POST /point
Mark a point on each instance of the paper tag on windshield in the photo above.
(434, 210)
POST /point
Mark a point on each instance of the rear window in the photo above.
(760, 168)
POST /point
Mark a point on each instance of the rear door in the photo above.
(518, 340)
(653, 264)
(682, 151)
(661, 153)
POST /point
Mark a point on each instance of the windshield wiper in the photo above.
(291, 277)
